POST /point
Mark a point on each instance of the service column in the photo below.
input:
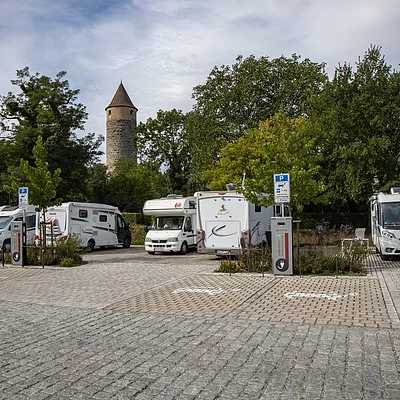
(282, 245)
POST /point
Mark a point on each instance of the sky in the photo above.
(162, 49)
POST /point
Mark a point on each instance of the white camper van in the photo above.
(10, 214)
(227, 223)
(174, 226)
(385, 223)
(96, 225)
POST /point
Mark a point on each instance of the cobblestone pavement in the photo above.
(132, 326)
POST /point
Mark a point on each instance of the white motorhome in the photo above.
(227, 223)
(95, 225)
(10, 214)
(385, 223)
(174, 226)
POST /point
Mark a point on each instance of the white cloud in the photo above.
(161, 49)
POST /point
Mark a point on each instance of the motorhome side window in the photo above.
(83, 213)
(103, 218)
(121, 222)
(258, 208)
(188, 224)
(379, 215)
(30, 221)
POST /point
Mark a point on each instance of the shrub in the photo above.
(136, 218)
(325, 261)
(67, 262)
(138, 234)
(255, 260)
(319, 260)
(54, 255)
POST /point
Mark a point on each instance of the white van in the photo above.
(174, 226)
(95, 225)
(10, 214)
(228, 223)
(385, 223)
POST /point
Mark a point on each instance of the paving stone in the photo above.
(168, 328)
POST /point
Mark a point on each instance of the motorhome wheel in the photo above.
(127, 242)
(184, 248)
(91, 244)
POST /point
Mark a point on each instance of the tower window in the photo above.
(131, 112)
(109, 112)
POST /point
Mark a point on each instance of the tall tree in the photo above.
(5, 161)
(48, 108)
(280, 145)
(98, 185)
(236, 98)
(357, 117)
(132, 184)
(42, 184)
(164, 141)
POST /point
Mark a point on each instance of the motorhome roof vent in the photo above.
(395, 190)
(231, 186)
(174, 196)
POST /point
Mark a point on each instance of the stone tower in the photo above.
(120, 128)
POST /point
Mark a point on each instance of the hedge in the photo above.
(308, 220)
(332, 220)
(136, 218)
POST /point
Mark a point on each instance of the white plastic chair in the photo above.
(359, 234)
(359, 237)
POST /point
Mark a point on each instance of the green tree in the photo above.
(236, 98)
(48, 108)
(280, 145)
(42, 184)
(98, 185)
(5, 161)
(357, 118)
(164, 142)
(132, 184)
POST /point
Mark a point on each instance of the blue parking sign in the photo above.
(281, 177)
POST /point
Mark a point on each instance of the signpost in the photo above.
(281, 188)
(23, 197)
(281, 229)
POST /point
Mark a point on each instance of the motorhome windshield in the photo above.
(391, 215)
(168, 223)
(4, 221)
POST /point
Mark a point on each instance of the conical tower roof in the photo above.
(121, 98)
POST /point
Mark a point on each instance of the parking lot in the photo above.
(132, 325)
